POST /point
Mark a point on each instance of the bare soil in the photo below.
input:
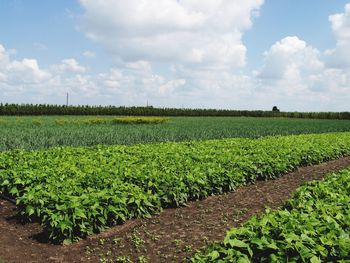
(172, 236)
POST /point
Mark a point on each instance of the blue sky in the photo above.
(217, 54)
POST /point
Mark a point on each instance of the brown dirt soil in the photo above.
(171, 236)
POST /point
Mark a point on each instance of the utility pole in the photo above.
(67, 99)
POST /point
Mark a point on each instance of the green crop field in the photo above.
(314, 226)
(79, 191)
(79, 175)
(45, 132)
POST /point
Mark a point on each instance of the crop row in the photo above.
(114, 120)
(34, 133)
(75, 192)
(94, 121)
(313, 226)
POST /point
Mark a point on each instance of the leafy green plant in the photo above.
(142, 259)
(313, 226)
(76, 192)
(136, 240)
(123, 259)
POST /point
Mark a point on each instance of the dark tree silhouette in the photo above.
(275, 109)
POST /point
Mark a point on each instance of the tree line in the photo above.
(49, 109)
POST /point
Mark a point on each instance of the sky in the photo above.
(225, 54)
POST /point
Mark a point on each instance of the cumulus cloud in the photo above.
(26, 71)
(339, 57)
(140, 65)
(294, 73)
(136, 84)
(81, 85)
(25, 77)
(290, 58)
(205, 32)
(70, 65)
(4, 57)
(170, 86)
(291, 68)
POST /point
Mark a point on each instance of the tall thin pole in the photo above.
(67, 98)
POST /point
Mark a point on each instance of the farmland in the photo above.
(43, 132)
(174, 131)
(76, 192)
(80, 176)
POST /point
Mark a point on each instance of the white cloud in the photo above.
(291, 73)
(25, 77)
(170, 86)
(26, 71)
(112, 80)
(4, 57)
(339, 57)
(294, 75)
(206, 32)
(71, 65)
(290, 58)
(89, 54)
(140, 65)
(81, 85)
(136, 84)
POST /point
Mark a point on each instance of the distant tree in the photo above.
(275, 109)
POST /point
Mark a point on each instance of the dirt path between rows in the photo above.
(172, 236)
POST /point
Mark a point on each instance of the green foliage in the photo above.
(37, 122)
(3, 122)
(78, 191)
(19, 132)
(142, 259)
(111, 120)
(47, 109)
(314, 226)
(139, 120)
(123, 259)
